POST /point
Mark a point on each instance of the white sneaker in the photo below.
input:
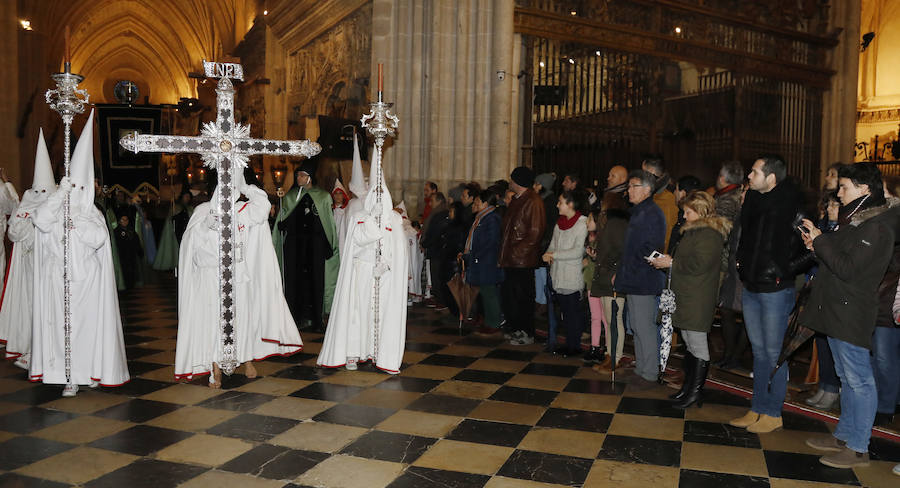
(22, 361)
(94, 384)
(70, 390)
(351, 364)
(896, 470)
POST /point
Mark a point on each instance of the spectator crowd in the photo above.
(754, 255)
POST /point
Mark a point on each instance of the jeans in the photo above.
(641, 318)
(518, 299)
(766, 318)
(828, 380)
(886, 367)
(540, 285)
(858, 397)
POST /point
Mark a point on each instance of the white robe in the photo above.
(16, 303)
(354, 207)
(98, 348)
(263, 325)
(416, 261)
(350, 332)
(9, 200)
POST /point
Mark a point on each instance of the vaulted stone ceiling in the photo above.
(155, 43)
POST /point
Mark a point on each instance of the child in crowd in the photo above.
(564, 256)
(598, 320)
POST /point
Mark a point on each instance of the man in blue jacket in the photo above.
(640, 282)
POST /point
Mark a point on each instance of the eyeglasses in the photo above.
(636, 186)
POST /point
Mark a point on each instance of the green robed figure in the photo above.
(306, 243)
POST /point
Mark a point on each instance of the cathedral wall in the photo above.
(327, 75)
(878, 101)
(330, 75)
(452, 69)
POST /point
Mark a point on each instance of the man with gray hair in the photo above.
(728, 205)
(638, 280)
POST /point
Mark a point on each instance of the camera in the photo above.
(797, 223)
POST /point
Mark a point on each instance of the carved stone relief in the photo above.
(330, 75)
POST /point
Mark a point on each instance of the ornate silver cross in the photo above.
(225, 146)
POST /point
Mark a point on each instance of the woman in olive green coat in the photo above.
(696, 267)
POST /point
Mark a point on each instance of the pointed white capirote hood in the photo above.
(82, 166)
(43, 181)
(357, 178)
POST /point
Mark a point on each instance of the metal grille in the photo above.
(597, 106)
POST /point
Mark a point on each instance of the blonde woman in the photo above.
(695, 265)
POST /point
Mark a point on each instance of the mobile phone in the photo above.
(653, 255)
(803, 229)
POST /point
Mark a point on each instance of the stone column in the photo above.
(505, 110)
(276, 102)
(458, 121)
(839, 110)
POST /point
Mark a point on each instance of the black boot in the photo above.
(594, 355)
(689, 363)
(698, 379)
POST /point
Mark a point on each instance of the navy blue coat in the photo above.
(481, 261)
(646, 233)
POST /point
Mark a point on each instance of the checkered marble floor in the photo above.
(464, 412)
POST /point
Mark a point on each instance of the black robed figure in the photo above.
(306, 241)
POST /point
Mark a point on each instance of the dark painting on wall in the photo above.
(119, 166)
(336, 138)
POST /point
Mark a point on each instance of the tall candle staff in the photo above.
(381, 123)
(67, 100)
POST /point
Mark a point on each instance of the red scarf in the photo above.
(726, 190)
(566, 224)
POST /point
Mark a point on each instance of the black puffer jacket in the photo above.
(769, 242)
